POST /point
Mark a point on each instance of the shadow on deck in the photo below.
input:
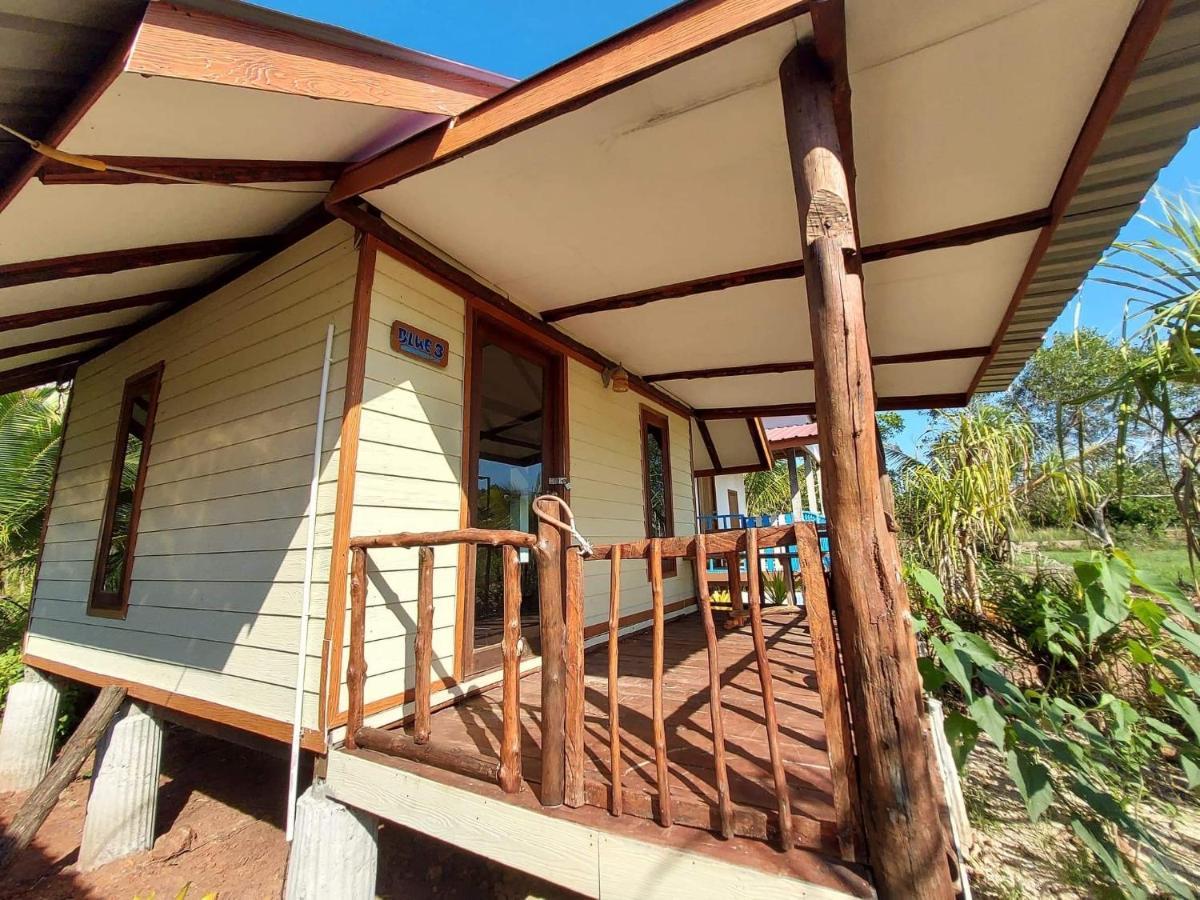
(473, 728)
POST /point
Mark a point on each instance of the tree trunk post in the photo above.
(794, 486)
(900, 803)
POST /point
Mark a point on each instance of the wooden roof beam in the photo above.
(674, 36)
(913, 401)
(66, 340)
(177, 42)
(36, 317)
(216, 171)
(109, 261)
(807, 365)
(794, 268)
(706, 437)
(40, 373)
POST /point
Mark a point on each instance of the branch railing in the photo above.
(730, 545)
(563, 751)
(507, 771)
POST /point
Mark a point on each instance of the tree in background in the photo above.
(30, 433)
(1158, 389)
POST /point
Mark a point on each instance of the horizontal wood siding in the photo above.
(607, 489)
(217, 577)
(408, 476)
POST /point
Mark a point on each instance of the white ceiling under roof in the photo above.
(685, 175)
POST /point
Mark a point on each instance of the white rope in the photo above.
(585, 546)
(96, 165)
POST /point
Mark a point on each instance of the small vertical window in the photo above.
(122, 502)
(656, 479)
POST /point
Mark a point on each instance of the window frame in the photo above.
(115, 604)
(648, 417)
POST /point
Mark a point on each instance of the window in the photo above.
(656, 479)
(122, 503)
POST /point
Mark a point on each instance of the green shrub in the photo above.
(1073, 746)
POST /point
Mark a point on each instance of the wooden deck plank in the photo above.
(474, 726)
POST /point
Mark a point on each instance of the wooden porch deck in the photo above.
(473, 728)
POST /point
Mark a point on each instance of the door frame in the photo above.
(481, 329)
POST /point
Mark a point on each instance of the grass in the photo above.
(1163, 556)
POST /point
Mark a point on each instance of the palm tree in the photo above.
(30, 432)
(1160, 388)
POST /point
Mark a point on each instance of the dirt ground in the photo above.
(220, 827)
(1012, 859)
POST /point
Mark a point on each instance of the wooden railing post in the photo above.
(724, 803)
(737, 609)
(831, 690)
(356, 665)
(614, 703)
(660, 729)
(510, 744)
(424, 645)
(783, 796)
(573, 672)
(549, 551)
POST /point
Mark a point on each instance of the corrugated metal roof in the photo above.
(792, 432)
(1160, 108)
(48, 50)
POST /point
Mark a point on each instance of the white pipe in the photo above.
(306, 592)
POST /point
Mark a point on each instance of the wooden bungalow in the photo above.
(390, 380)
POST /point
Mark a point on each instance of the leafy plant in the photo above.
(1083, 757)
(777, 588)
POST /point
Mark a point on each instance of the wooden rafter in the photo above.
(217, 171)
(65, 340)
(941, 240)
(909, 401)
(36, 317)
(104, 76)
(807, 365)
(706, 437)
(177, 42)
(678, 34)
(758, 437)
(57, 369)
(109, 261)
(1143, 27)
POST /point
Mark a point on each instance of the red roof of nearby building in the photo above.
(794, 433)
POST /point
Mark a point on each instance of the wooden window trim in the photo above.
(151, 378)
(648, 417)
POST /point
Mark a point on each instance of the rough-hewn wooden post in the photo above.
(549, 552)
(906, 840)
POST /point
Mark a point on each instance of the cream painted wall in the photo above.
(216, 588)
(409, 478)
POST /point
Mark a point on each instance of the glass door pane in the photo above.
(511, 437)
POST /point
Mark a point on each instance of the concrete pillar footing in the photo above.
(335, 850)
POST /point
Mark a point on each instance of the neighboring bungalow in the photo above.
(391, 380)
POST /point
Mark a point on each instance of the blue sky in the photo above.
(519, 39)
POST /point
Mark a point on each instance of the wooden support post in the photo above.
(573, 671)
(832, 692)
(900, 806)
(549, 552)
(356, 663)
(783, 797)
(716, 713)
(41, 800)
(794, 485)
(656, 694)
(737, 610)
(422, 719)
(510, 744)
(614, 703)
